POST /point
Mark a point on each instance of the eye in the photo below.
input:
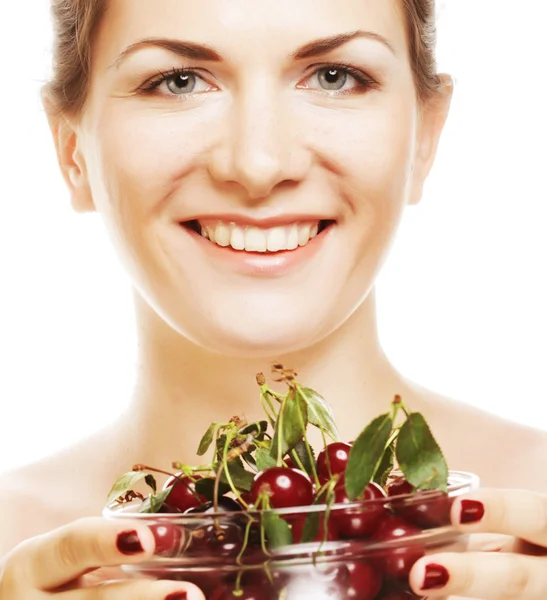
(177, 82)
(338, 79)
(332, 79)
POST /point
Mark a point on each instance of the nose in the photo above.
(259, 149)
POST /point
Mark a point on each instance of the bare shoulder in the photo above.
(502, 452)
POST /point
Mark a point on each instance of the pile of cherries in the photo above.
(382, 575)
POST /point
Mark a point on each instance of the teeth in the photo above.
(254, 239)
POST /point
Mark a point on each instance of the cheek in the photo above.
(143, 156)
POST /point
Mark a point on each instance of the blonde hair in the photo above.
(76, 22)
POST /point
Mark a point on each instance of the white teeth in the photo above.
(277, 239)
(255, 239)
(304, 235)
(292, 237)
(237, 240)
(223, 235)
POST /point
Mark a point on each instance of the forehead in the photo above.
(235, 27)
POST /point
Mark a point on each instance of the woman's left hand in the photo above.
(515, 569)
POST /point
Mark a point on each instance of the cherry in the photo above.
(245, 593)
(285, 487)
(183, 495)
(337, 455)
(290, 463)
(362, 581)
(426, 509)
(167, 508)
(225, 540)
(397, 561)
(362, 521)
(332, 531)
(168, 537)
(225, 504)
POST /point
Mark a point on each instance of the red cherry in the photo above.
(397, 561)
(426, 509)
(290, 463)
(337, 455)
(246, 593)
(363, 582)
(168, 537)
(362, 521)
(298, 530)
(285, 487)
(183, 495)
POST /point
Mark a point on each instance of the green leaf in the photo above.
(419, 455)
(320, 413)
(241, 478)
(304, 456)
(291, 424)
(258, 429)
(207, 439)
(154, 502)
(124, 484)
(206, 487)
(365, 455)
(386, 466)
(151, 482)
(249, 458)
(311, 527)
(278, 532)
(264, 460)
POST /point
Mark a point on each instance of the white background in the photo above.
(463, 297)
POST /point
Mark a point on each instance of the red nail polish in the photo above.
(436, 577)
(177, 596)
(128, 543)
(472, 511)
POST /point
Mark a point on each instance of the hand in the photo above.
(62, 564)
(514, 568)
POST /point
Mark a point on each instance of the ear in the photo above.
(433, 115)
(69, 156)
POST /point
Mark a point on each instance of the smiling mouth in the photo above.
(257, 239)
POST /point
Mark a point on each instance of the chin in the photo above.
(263, 338)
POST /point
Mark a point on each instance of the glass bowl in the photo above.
(359, 551)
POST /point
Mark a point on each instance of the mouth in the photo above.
(255, 239)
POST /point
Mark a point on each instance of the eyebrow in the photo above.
(194, 51)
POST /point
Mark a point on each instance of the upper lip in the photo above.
(267, 222)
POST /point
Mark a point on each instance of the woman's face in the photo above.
(252, 160)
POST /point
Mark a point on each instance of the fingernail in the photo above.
(129, 543)
(472, 511)
(177, 596)
(436, 577)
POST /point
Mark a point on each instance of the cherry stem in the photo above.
(139, 468)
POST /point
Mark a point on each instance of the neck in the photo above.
(181, 388)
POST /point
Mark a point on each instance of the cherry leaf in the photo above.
(154, 502)
(264, 460)
(320, 413)
(278, 532)
(207, 439)
(386, 466)
(419, 456)
(291, 424)
(206, 487)
(125, 483)
(303, 454)
(366, 454)
(241, 478)
(151, 482)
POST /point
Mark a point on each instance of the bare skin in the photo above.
(263, 135)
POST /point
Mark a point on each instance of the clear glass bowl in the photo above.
(366, 553)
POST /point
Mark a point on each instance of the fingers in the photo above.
(136, 590)
(518, 513)
(481, 575)
(55, 559)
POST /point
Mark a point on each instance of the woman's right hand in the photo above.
(64, 565)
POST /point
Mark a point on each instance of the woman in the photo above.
(252, 166)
